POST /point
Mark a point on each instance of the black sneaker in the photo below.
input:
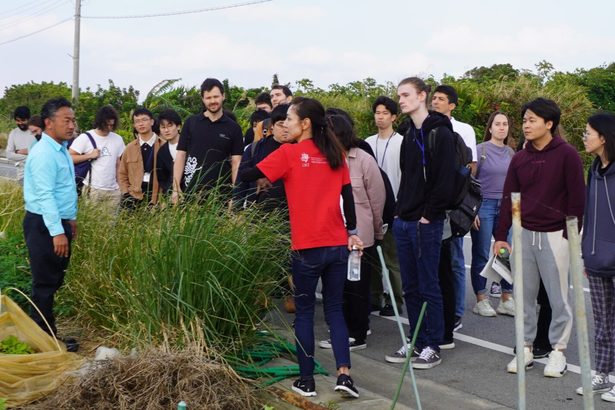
(305, 387)
(345, 386)
(387, 310)
(356, 345)
(458, 325)
(428, 358)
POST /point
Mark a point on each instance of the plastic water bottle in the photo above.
(181, 405)
(354, 265)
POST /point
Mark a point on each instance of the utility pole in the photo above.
(75, 93)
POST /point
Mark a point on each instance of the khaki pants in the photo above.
(107, 200)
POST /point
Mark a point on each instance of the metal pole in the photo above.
(576, 271)
(385, 275)
(75, 92)
(518, 292)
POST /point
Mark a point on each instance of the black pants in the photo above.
(544, 320)
(47, 268)
(447, 286)
(356, 298)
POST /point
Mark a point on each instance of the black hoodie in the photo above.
(426, 194)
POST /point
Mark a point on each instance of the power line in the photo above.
(36, 32)
(21, 20)
(22, 9)
(178, 13)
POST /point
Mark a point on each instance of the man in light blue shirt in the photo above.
(51, 208)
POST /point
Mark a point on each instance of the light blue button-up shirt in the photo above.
(49, 184)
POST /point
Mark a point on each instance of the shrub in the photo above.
(189, 272)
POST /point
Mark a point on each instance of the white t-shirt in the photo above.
(387, 153)
(173, 150)
(467, 133)
(103, 169)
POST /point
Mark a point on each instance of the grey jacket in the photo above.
(598, 243)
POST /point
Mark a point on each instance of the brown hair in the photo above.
(418, 84)
(494, 114)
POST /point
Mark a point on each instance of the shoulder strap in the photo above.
(91, 139)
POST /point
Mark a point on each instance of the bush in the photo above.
(177, 274)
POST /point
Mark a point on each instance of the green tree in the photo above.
(495, 72)
(32, 95)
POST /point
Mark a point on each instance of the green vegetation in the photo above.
(197, 272)
(12, 345)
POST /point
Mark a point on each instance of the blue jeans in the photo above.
(418, 249)
(309, 265)
(459, 270)
(488, 214)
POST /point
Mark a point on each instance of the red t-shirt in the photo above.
(313, 192)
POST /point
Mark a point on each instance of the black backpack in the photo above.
(466, 197)
(82, 169)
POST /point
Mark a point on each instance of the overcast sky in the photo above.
(327, 41)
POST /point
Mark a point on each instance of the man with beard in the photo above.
(210, 147)
(20, 138)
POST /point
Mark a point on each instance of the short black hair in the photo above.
(209, 85)
(51, 107)
(284, 89)
(263, 98)
(104, 114)
(604, 124)
(338, 111)
(388, 103)
(22, 112)
(546, 109)
(279, 113)
(142, 111)
(258, 116)
(450, 92)
(170, 115)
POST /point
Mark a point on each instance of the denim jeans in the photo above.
(329, 263)
(459, 270)
(488, 214)
(418, 249)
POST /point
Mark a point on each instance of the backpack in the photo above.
(82, 169)
(466, 197)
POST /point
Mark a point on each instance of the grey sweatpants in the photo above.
(546, 257)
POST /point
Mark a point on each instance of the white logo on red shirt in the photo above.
(305, 159)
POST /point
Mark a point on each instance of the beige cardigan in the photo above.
(131, 171)
(369, 195)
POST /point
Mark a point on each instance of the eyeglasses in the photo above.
(142, 120)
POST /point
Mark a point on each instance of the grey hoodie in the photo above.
(598, 242)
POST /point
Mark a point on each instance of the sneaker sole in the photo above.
(425, 366)
(447, 346)
(528, 366)
(346, 392)
(602, 390)
(484, 315)
(359, 347)
(556, 374)
(304, 393)
(395, 359)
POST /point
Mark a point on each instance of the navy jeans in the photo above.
(418, 249)
(459, 269)
(329, 263)
(489, 213)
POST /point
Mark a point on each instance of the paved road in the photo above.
(471, 376)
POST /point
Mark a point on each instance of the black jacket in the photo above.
(164, 171)
(425, 190)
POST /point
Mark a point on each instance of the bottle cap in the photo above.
(502, 250)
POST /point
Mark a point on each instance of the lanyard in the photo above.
(384, 154)
(421, 145)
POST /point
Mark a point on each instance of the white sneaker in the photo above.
(506, 307)
(484, 308)
(529, 361)
(609, 396)
(556, 365)
(600, 384)
(326, 344)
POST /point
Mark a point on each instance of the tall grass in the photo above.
(177, 273)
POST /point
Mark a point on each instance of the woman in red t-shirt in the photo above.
(315, 174)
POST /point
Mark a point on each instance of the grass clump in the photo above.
(157, 379)
(177, 274)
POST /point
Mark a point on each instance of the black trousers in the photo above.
(47, 268)
(356, 298)
(447, 286)
(544, 320)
